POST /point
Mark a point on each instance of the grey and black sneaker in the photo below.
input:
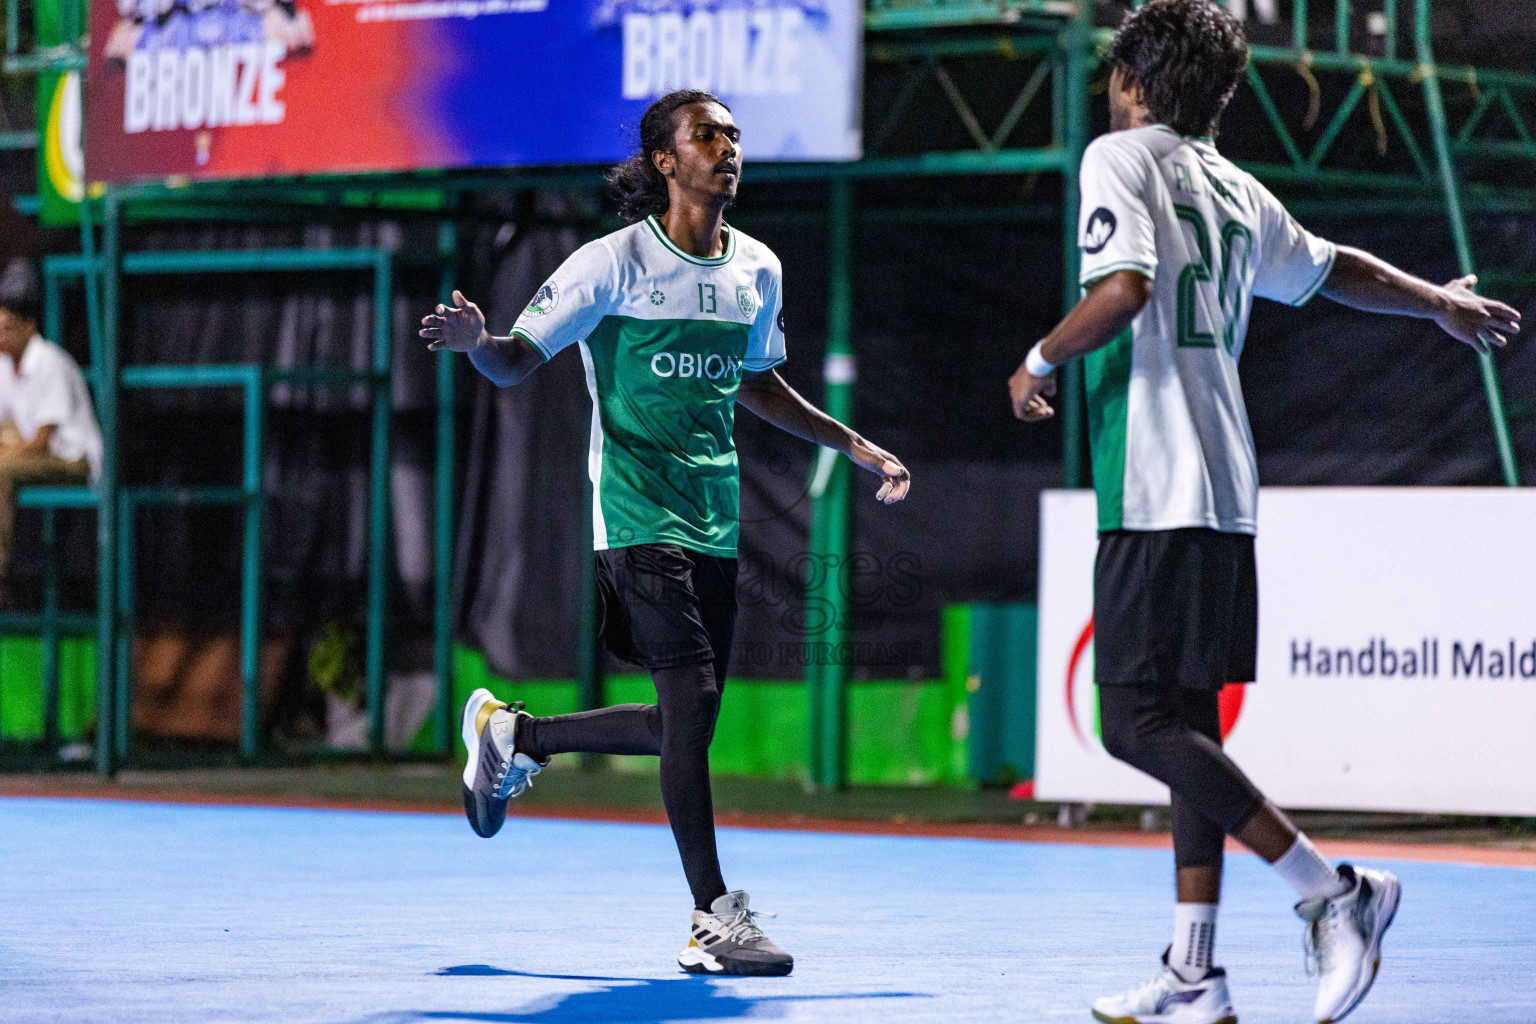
(727, 940)
(495, 772)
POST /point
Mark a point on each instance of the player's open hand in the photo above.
(1028, 394)
(457, 328)
(895, 481)
(1475, 320)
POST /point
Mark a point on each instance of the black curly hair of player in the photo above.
(18, 290)
(635, 184)
(1187, 56)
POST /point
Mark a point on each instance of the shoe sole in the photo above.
(1132, 1020)
(696, 961)
(1383, 922)
(471, 723)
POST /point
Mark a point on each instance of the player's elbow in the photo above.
(1131, 290)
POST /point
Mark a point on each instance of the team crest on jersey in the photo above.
(1101, 228)
(545, 299)
(746, 298)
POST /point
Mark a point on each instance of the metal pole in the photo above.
(127, 615)
(53, 308)
(1341, 20)
(50, 631)
(378, 500)
(1435, 103)
(826, 599)
(1077, 39)
(589, 646)
(442, 557)
(104, 326)
(250, 573)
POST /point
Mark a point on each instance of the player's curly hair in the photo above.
(1187, 56)
(635, 183)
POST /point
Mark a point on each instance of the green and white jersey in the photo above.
(1169, 431)
(664, 336)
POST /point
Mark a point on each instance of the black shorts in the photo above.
(1175, 607)
(665, 606)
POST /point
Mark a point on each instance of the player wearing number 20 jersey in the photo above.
(665, 336)
(1171, 444)
(1177, 242)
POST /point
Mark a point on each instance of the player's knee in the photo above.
(690, 719)
(1120, 741)
(1123, 732)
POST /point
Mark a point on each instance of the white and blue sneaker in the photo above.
(495, 771)
(1343, 938)
(1169, 999)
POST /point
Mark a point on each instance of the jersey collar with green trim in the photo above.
(718, 261)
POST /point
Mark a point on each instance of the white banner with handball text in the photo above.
(1397, 654)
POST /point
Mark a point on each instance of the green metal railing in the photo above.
(1049, 48)
(92, 270)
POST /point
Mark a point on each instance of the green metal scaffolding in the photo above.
(1050, 48)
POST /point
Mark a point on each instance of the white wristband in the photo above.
(1035, 362)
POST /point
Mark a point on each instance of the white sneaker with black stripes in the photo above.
(496, 771)
(727, 940)
(1169, 999)
(1343, 938)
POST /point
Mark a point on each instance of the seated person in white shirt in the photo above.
(48, 431)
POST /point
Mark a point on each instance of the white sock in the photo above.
(1308, 872)
(1194, 936)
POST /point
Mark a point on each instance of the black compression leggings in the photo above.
(678, 728)
(1173, 733)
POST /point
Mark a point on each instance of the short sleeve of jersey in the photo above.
(1293, 262)
(572, 302)
(765, 344)
(1115, 225)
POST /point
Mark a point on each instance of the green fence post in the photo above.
(1077, 41)
(53, 308)
(826, 603)
(442, 557)
(104, 316)
(378, 498)
(250, 577)
(589, 646)
(1435, 103)
(50, 631)
(127, 616)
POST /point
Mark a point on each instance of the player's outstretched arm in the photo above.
(1108, 308)
(767, 395)
(1363, 281)
(461, 328)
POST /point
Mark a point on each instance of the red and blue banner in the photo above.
(251, 88)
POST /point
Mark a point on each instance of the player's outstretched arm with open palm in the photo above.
(771, 398)
(1366, 282)
(461, 328)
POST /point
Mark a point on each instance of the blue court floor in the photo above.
(133, 912)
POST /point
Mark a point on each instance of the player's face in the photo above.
(15, 332)
(707, 161)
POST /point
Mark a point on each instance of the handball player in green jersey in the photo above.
(678, 318)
